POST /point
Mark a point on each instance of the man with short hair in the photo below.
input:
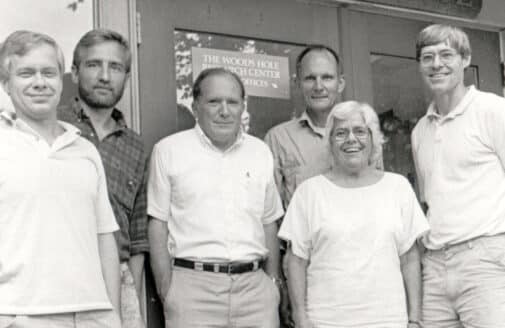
(459, 152)
(298, 145)
(58, 258)
(101, 68)
(213, 207)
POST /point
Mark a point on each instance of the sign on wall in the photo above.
(459, 8)
(263, 75)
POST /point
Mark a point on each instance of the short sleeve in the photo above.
(295, 227)
(413, 222)
(158, 186)
(272, 205)
(105, 219)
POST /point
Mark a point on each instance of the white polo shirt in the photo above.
(215, 203)
(460, 162)
(53, 203)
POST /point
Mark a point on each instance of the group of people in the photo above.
(80, 205)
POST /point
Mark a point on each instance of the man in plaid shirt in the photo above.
(100, 68)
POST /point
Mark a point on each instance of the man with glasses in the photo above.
(459, 152)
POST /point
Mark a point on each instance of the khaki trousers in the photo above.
(212, 300)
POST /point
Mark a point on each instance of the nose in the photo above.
(436, 61)
(318, 84)
(224, 110)
(104, 74)
(351, 137)
(39, 82)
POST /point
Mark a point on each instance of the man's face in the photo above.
(35, 83)
(319, 80)
(101, 76)
(219, 109)
(442, 68)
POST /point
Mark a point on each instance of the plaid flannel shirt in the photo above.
(125, 164)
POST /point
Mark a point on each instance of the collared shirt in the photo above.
(215, 202)
(124, 159)
(53, 203)
(300, 151)
(460, 161)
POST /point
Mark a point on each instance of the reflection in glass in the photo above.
(263, 112)
(400, 100)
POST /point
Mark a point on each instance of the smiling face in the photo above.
(442, 68)
(102, 74)
(35, 83)
(319, 80)
(351, 143)
(219, 109)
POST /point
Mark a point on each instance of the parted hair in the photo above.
(438, 33)
(98, 36)
(19, 43)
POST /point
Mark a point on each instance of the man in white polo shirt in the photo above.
(58, 259)
(213, 201)
(459, 151)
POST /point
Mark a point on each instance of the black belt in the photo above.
(229, 268)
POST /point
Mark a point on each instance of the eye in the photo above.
(447, 56)
(427, 58)
(328, 77)
(360, 132)
(117, 67)
(25, 74)
(340, 134)
(50, 73)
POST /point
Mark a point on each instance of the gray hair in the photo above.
(342, 111)
(19, 43)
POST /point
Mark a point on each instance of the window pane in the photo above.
(400, 100)
(265, 67)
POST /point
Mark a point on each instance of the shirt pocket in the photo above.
(252, 195)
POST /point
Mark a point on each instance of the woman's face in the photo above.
(351, 143)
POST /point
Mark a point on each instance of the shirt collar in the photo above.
(206, 141)
(432, 113)
(305, 120)
(116, 114)
(70, 135)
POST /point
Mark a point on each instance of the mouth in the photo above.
(352, 150)
(438, 75)
(103, 89)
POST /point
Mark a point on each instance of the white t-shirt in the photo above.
(53, 203)
(353, 238)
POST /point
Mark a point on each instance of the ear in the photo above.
(5, 86)
(341, 83)
(75, 75)
(467, 60)
(194, 109)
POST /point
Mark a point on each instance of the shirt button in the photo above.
(91, 134)
(131, 184)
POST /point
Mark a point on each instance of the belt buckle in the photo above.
(230, 268)
(256, 265)
(216, 267)
(199, 266)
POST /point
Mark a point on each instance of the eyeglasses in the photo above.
(446, 57)
(359, 132)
